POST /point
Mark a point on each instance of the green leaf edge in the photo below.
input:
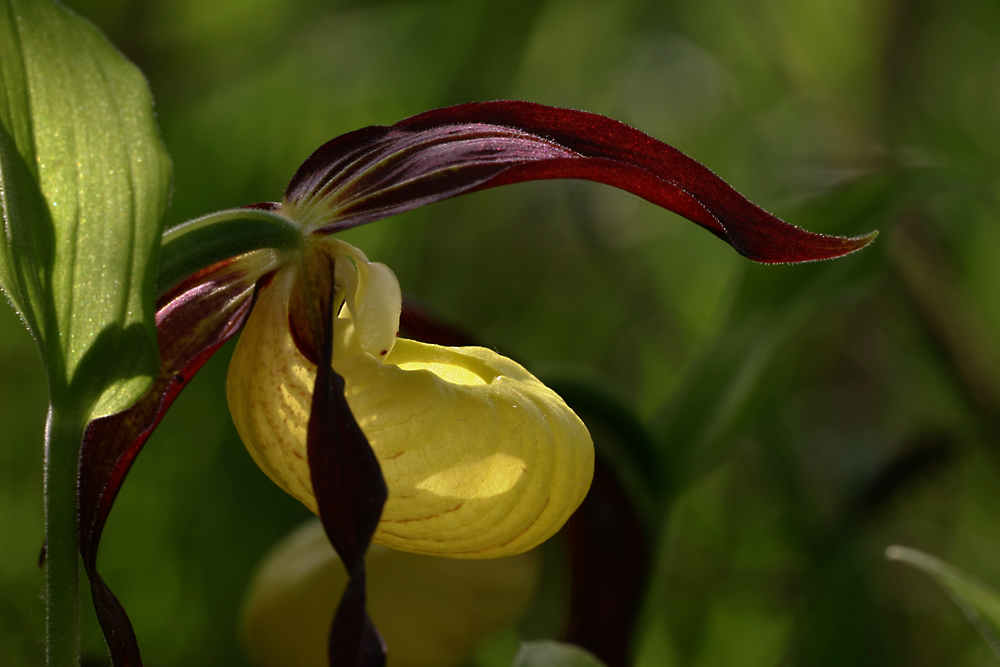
(969, 593)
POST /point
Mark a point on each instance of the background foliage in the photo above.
(804, 417)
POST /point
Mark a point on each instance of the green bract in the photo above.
(199, 243)
(85, 180)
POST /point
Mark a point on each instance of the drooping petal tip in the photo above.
(793, 245)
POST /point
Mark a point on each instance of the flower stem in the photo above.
(63, 434)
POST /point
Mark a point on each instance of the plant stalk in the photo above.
(63, 434)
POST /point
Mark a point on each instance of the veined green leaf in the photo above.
(84, 180)
(553, 654)
(979, 602)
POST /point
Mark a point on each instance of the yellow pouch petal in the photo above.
(432, 612)
(481, 459)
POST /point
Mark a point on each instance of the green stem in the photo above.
(63, 434)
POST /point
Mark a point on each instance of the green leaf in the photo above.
(85, 180)
(553, 654)
(979, 602)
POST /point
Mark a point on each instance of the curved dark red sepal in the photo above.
(378, 171)
(192, 322)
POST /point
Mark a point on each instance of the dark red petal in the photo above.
(192, 322)
(609, 563)
(350, 492)
(117, 627)
(379, 171)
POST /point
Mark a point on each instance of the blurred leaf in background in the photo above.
(979, 602)
(802, 418)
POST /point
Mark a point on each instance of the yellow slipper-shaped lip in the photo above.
(481, 459)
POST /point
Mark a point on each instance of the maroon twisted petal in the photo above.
(349, 487)
(193, 321)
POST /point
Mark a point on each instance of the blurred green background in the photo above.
(803, 418)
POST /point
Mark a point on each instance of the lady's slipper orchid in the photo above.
(481, 459)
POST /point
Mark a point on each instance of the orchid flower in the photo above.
(429, 449)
